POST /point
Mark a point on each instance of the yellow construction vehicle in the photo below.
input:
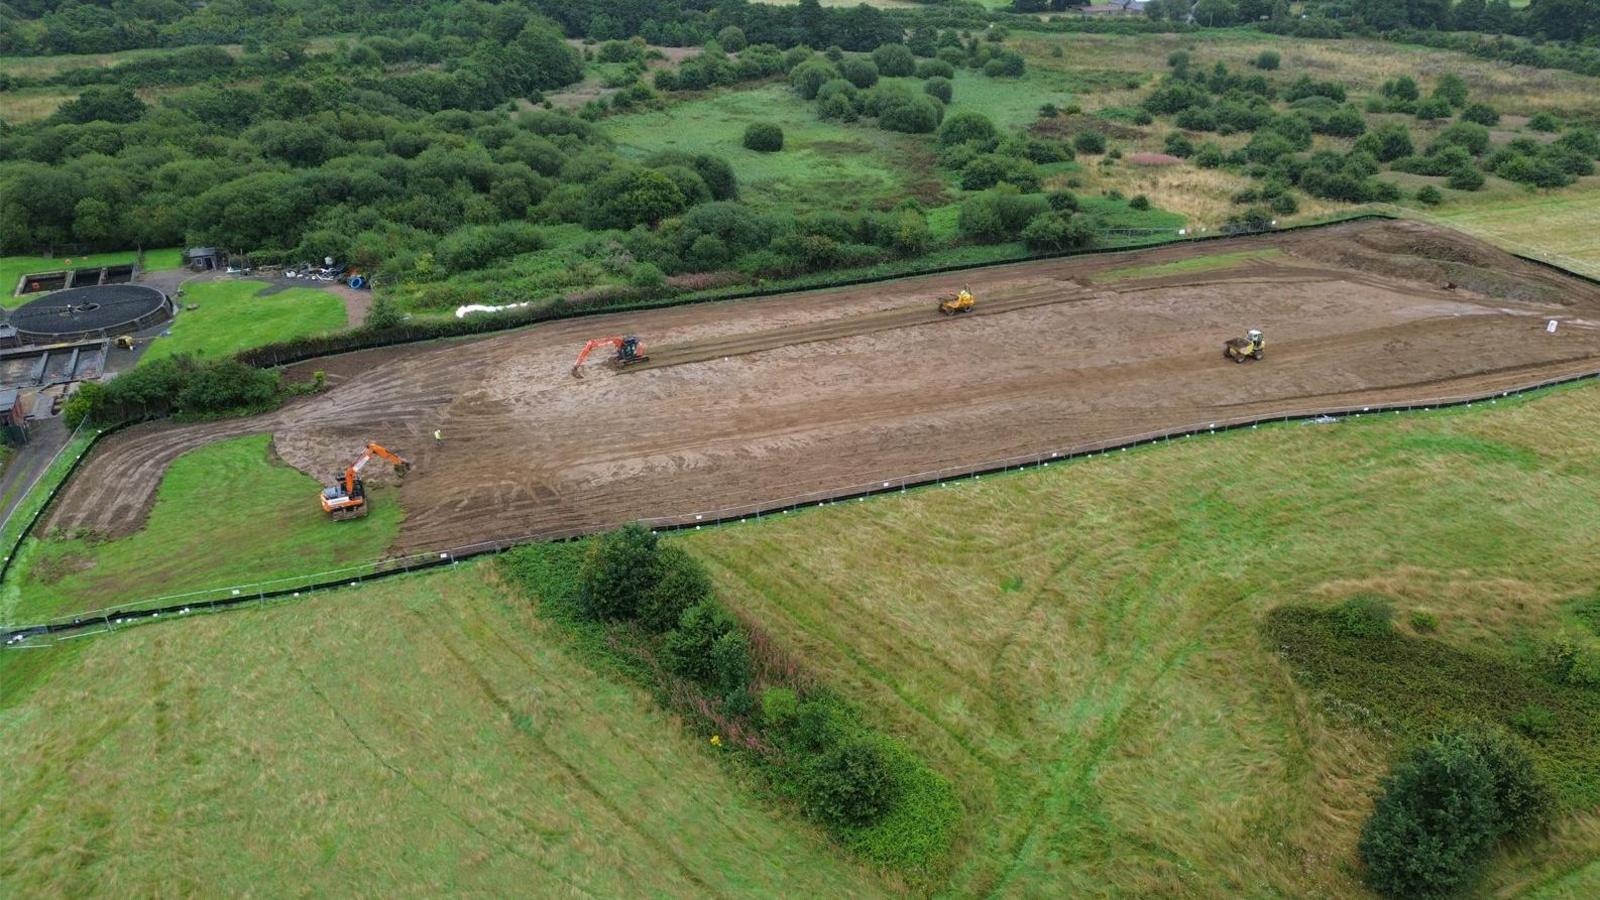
(960, 303)
(1248, 347)
(347, 498)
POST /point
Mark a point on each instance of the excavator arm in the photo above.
(629, 350)
(583, 355)
(347, 491)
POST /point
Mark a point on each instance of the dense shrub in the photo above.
(1544, 121)
(991, 169)
(935, 68)
(730, 661)
(1451, 89)
(809, 77)
(999, 214)
(1052, 232)
(619, 574)
(1481, 113)
(1470, 136)
(679, 583)
(1465, 180)
(765, 137)
(894, 60)
(1089, 142)
(1433, 108)
(968, 127)
(859, 72)
(1387, 142)
(1442, 809)
(939, 87)
(476, 246)
(849, 785)
(1267, 60)
(179, 385)
(1179, 145)
(779, 707)
(919, 115)
(688, 648)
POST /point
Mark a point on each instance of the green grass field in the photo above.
(234, 315)
(13, 268)
(227, 514)
(1562, 227)
(823, 165)
(422, 736)
(1079, 649)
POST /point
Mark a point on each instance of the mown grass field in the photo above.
(425, 736)
(235, 315)
(1562, 227)
(1080, 649)
(227, 514)
(13, 268)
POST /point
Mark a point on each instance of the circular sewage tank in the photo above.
(88, 313)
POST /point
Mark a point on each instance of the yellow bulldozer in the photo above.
(960, 303)
(1248, 347)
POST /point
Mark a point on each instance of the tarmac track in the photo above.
(755, 401)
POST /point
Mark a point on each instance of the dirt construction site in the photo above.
(753, 401)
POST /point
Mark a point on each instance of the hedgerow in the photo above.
(764, 708)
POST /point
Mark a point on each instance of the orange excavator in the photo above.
(347, 498)
(629, 351)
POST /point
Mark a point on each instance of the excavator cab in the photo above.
(628, 350)
(346, 498)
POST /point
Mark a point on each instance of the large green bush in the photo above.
(967, 127)
(894, 60)
(809, 77)
(859, 72)
(764, 137)
(1442, 809)
(619, 574)
(688, 648)
(680, 582)
(849, 785)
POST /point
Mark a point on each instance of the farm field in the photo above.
(833, 591)
(749, 403)
(1078, 648)
(1564, 229)
(427, 735)
(224, 511)
(235, 315)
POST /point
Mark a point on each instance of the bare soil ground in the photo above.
(754, 401)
